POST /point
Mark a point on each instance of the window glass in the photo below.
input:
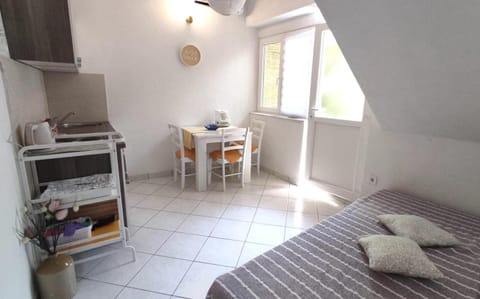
(340, 95)
(297, 73)
(271, 75)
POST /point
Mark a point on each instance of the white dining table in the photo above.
(202, 140)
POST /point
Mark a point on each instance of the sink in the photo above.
(81, 125)
(85, 131)
(64, 138)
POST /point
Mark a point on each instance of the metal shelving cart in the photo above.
(113, 233)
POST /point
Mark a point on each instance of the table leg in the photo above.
(201, 164)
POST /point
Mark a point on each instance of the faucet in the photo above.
(57, 120)
(63, 119)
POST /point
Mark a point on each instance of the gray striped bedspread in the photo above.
(326, 261)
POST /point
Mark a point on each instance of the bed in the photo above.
(326, 261)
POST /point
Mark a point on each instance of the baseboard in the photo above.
(345, 194)
(146, 176)
(278, 175)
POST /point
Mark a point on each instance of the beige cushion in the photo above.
(398, 255)
(419, 229)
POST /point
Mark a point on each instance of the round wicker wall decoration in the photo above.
(190, 55)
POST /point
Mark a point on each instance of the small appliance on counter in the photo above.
(222, 119)
(38, 133)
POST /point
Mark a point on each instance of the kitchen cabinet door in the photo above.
(38, 30)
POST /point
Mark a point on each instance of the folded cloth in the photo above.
(188, 135)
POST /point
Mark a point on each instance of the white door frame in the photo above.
(313, 121)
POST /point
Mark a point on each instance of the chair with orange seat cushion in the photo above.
(257, 127)
(231, 152)
(181, 155)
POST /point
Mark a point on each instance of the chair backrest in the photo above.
(234, 139)
(176, 137)
(257, 127)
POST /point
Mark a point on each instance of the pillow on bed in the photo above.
(419, 229)
(398, 255)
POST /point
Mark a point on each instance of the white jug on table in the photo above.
(38, 133)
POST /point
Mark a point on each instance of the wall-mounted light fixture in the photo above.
(225, 7)
(203, 2)
(189, 20)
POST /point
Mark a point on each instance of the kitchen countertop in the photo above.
(87, 130)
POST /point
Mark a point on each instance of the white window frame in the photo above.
(317, 101)
(279, 38)
(271, 40)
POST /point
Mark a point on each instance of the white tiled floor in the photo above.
(178, 235)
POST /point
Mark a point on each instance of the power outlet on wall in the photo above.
(372, 179)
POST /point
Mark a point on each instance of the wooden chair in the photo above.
(257, 127)
(231, 153)
(181, 156)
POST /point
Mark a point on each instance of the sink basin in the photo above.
(62, 139)
(85, 131)
(81, 125)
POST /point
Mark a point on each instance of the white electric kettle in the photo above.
(38, 133)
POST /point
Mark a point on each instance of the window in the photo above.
(271, 75)
(340, 96)
(286, 70)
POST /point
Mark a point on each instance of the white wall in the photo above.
(266, 12)
(84, 94)
(26, 94)
(440, 169)
(282, 145)
(416, 61)
(136, 45)
(3, 39)
(15, 277)
(22, 99)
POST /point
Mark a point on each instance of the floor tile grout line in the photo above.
(129, 287)
(286, 217)
(139, 270)
(151, 255)
(116, 296)
(289, 198)
(210, 234)
(206, 240)
(237, 192)
(198, 253)
(221, 217)
(216, 218)
(176, 230)
(249, 228)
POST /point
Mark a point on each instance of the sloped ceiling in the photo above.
(418, 62)
(266, 12)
